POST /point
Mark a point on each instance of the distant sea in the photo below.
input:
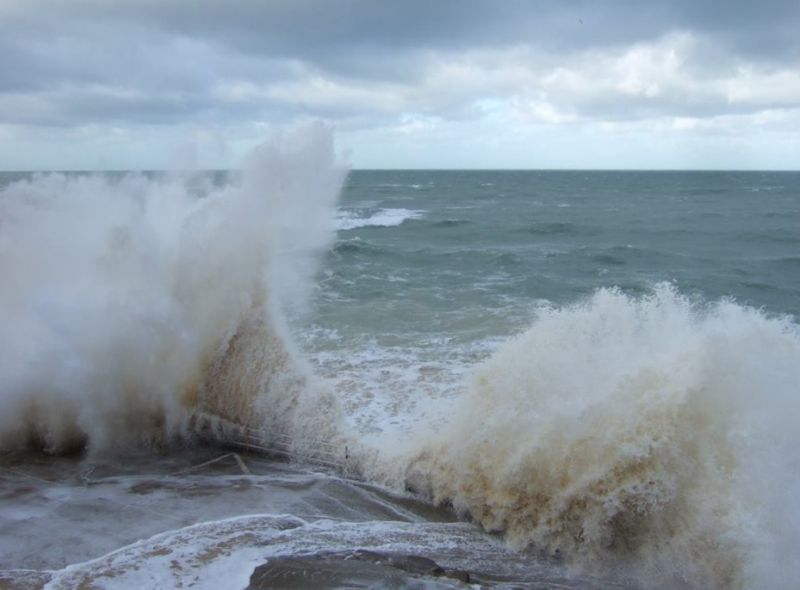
(549, 379)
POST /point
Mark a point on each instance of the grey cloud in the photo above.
(317, 30)
(163, 61)
(79, 106)
(331, 32)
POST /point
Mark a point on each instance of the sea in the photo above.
(297, 375)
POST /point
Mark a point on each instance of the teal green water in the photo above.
(464, 256)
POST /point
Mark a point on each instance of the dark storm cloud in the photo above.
(318, 30)
(166, 61)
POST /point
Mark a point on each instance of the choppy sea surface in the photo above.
(432, 270)
(533, 379)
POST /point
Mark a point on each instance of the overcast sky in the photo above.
(126, 84)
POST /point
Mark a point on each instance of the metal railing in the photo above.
(229, 434)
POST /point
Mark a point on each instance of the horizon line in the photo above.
(192, 170)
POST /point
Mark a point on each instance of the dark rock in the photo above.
(359, 569)
(459, 575)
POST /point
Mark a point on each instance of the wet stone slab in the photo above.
(359, 569)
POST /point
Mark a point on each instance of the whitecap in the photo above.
(347, 220)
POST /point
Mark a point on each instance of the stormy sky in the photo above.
(120, 84)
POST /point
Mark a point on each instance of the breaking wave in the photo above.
(382, 218)
(134, 306)
(654, 434)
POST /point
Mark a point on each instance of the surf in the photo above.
(135, 307)
(649, 434)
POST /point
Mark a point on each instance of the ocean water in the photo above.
(537, 379)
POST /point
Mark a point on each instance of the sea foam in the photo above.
(382, 218)
(132, 305)
(652, 434)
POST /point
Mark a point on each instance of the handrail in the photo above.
(270, 443)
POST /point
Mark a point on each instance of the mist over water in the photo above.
(132, 302)
(500, 343)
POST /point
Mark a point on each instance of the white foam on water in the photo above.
(650, 433)
(393, 389)
(224, 553)
(383, 218)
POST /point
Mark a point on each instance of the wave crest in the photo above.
(381, 218)
(652, 432)
(131, 305)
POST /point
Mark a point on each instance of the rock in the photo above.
(353, 570)
(459, 575)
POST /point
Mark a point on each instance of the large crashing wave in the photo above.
(132, 305)
(652, 434)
